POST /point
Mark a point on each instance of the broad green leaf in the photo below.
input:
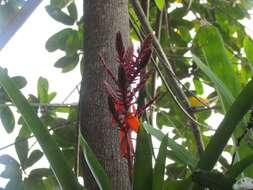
(179, 151)
(239, 108)
(212, 180)
(8, 160)
(14, 184)
(21, 146)
(35, 156)
(42, 90)
(72, 11)
(59, 15)
(212, 46)
(33, 184)
(7, 119)
(11, 172)
(159, 169)
(63, 173)
(95, 167)
(58, 40)
(160, 4)
(248, 48)
(240, 166)
(19, 81)
(142, 175)
(67, 63)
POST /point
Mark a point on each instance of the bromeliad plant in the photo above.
(124, 94)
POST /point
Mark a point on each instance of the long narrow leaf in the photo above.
(63, 173)
(158, 174)
(225, 94)
(179, 151)
(239, 167)
(217, 143)
(143, 162)
(96, 169)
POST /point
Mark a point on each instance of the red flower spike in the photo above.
(145, 58)
(122, 97)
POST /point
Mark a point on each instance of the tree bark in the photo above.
(102, 20)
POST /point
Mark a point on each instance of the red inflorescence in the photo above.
(124, 94)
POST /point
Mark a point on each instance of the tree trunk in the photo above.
(102, 20)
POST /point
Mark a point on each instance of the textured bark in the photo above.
(102, 19)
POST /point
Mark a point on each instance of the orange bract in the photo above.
(133, 122)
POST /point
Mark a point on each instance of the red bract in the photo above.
(123, 95)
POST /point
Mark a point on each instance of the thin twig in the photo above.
(71, 92)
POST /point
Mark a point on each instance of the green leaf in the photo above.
(63, 173)
(67, 63)
(239, 108)
(19, 81)
(212, 46)
(159, 169)
(95, 167)
(51, 96)
(7, 119)
(8, 160)
(198, 86)
(240, 166)
(12, 168)
(143, 162)
(212, 180)
(59, 15)
(223, 91)
(65, 137)
(180, 152)
(58, 40)
(33, 184)
(42, 90)
(72, 11)
(35, 156)
(248, 48)
(11, 172)
(14, 184)
(159, 4)
(21, 146)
